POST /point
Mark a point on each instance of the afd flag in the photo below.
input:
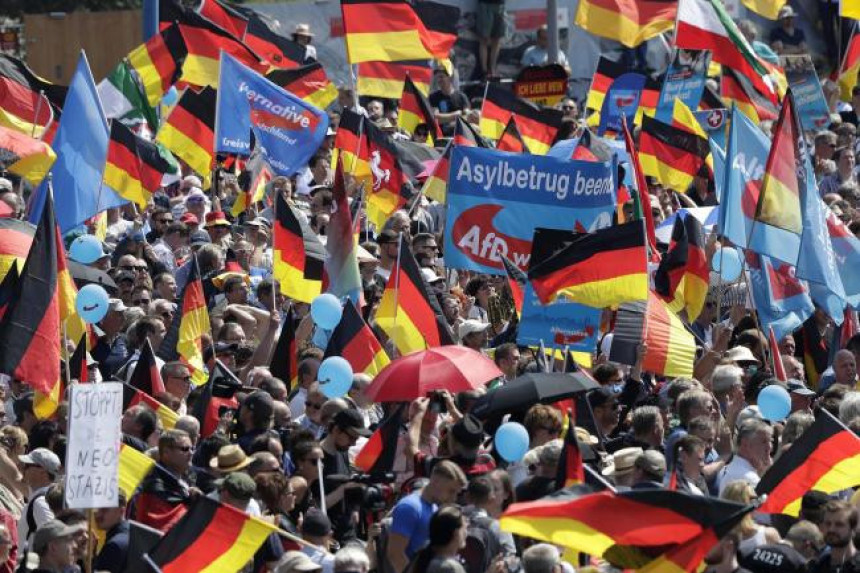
(81, 144)
(718, 156)
(846, 249)
(287, 129)
(781, 299)
(714, 122)
(816, 262)
(747, 151)
(560, 323)
(622, 100)
(808, 95)
(684, 80)
(497, 199)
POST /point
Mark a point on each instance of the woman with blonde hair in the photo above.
(752, 534)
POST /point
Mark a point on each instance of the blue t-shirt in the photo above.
(411, 519)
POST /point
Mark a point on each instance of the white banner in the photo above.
(92, 454)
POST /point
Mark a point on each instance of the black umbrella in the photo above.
(84, 275)
(533, 388)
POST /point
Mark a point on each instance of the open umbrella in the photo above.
(452, 368)
(533, 388)
(83, 275)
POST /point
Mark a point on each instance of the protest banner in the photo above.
(92, 454)
(561, 323)
(287, 129)
(622, 100)
(496, 199)
(543, 85)
(808, 95)
(684, 80)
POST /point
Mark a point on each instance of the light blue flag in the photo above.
(747, 151)
(817, 261)
(287, 129)
(81, 144)
(781, 300)
(719, 157)
(846, 249)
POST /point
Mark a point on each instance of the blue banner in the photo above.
(497, 199)
(561, 324)
(684, 80)
(714, 122)
(622, 100)
(287, 129)
(807, 92)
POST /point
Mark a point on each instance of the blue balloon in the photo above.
(326, 311)
(320, 337)
(85, 249)
(335, 376)
(512, 441)
(727, 262)
(92, 303)
(774, 403)
(170, 97)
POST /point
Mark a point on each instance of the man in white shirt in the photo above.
(752, 454)
(40, 468)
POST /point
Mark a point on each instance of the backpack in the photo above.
(482, 544)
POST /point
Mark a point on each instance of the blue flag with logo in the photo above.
(560, 323)
(781, 299)
(846, 249)
(808, 95)
(287, 129)
(81, 144)
(746, 157)
(622, 100)
(684, 80)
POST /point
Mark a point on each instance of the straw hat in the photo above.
(230, 458)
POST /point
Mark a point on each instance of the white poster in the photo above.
(92, 454)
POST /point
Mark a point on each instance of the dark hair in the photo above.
(603, 373)
(207, 448)
(475, 284)
(479, 490)
(757, 382)
(43, 434)
(302, 449)
(443, 526)
(504, 351)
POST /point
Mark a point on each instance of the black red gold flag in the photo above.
(189, 130)
(683, 276)
(377, 456)
(353, 340)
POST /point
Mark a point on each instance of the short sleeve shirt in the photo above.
(411, 519)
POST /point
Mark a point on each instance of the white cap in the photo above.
(469, 326)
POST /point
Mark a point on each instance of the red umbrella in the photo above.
(452, 368)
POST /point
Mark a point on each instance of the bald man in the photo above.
(842, 371)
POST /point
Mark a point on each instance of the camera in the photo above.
(437, 403)
(376, 494)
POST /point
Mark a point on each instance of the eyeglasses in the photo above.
(185, 378)
(168, 221)
(314, 405)
(567, 108)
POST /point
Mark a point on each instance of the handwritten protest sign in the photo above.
(92, 455)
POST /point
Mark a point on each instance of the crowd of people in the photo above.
(287, 453)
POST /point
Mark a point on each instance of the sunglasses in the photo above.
(164, 220)
(185, 449)
(314, 405)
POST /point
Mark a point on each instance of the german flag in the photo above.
(30, 328)
(24, 156)
(211, 537)
(8, 288)
(218, 392)
(850, 66)
(511, 140)
(353, 339)
(132, 396)
(271, 45)
(628, 529)
(537, 125)
(415, 110)
(258, 176)
(683, 275)
(630, 23)
(671, 348)
(146, 376)
(570, 469)
(350, 145)
(409, 315)
(298, 254)
(671, 154)
(386, 79)
(29, 104)
(604, 268)
(687, 556)
(466, 135)
(184, 338)
(78, 363)
(396, 30)
(134, 466)
(436, 185)
(377, 456)
(308, 82)
(204, 42)
(607, 72)
(341, 264)
(158, 62)
(710, 100)
(135, 166)
(189, 130)
(16, 237)
(517, 280)
(826, 457)
(225, 16)
(389, 193)
(284, 363)
(738, 90)
(592, 148)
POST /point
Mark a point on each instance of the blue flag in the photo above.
(747, 153)
(781, 300)
(287, 129)
(817, 261)
(622, 100)
(81, 144)
(684, 80)
(719, 158)
(846, 249)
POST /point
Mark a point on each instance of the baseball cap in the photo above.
(5, 184)
(429, 276)
(189, 219)
(116, 305)
(387, 236)
(52, 530)
(316, 523)
(469, 326)
(216, 218)
(191, 181)
(652, 463)
(196, 196)
(44, 458)
(351, 419)
(772, 558)
(260, 402)
(239, 485)
(468, 431)
(199, 238)
(296, 561)
(795, 386)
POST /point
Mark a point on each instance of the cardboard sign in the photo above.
(544, 85)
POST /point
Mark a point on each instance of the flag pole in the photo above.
(397, 280)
